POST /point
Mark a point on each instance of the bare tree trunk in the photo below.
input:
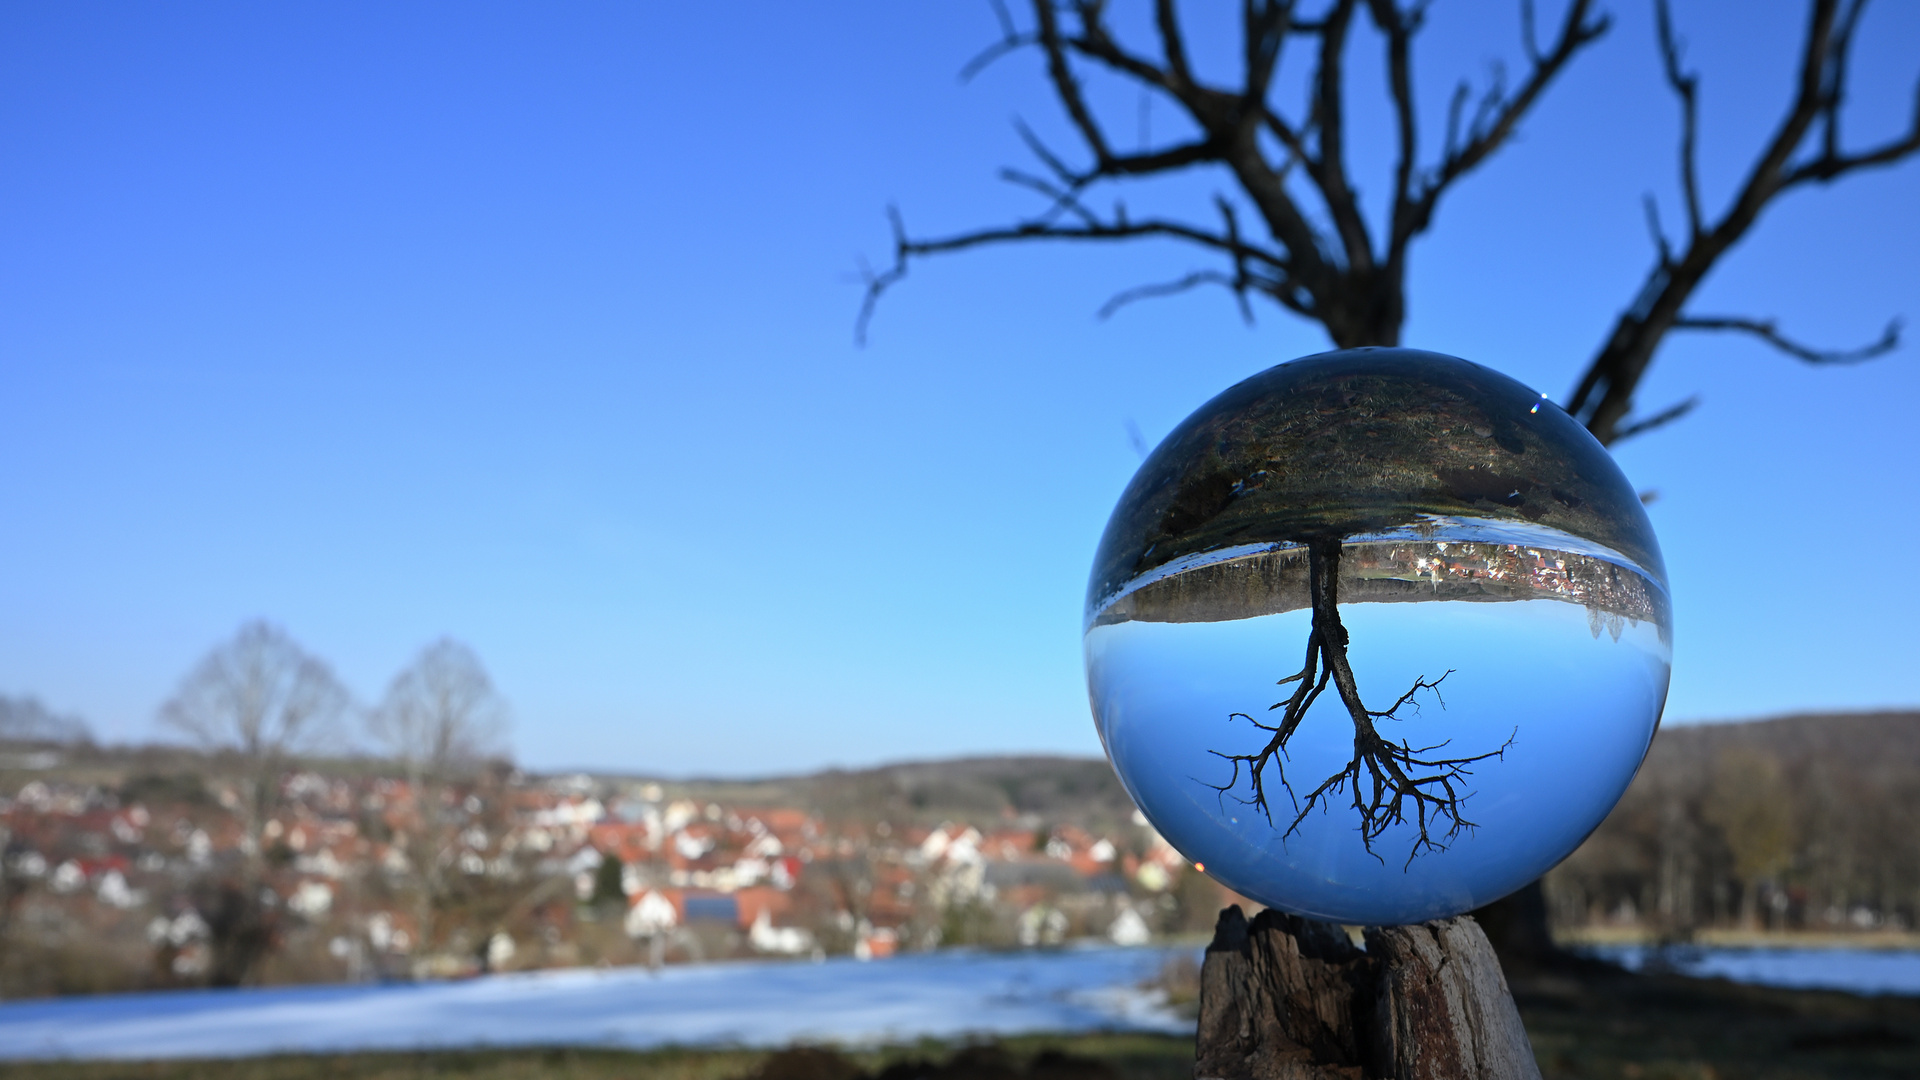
(1287, 998)
(426, 856)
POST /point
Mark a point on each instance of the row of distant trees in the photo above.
(263, 707)
(1798, 823)
(262, 696)
(264, 702)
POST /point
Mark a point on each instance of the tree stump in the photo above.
(1287, 998)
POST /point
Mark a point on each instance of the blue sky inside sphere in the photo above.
(534, 327)
(1558, 711)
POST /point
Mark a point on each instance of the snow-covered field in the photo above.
(940, 995)
(1859, 971)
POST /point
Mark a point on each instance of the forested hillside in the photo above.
(1797, 822)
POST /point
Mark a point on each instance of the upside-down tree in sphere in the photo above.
(1293, 234)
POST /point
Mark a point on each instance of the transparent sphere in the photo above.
(1377, 636)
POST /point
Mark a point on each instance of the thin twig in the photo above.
(1686, 86)
(1764, 330)
(1660, 419)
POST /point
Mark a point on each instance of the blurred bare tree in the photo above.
(1725, 821)
(1753, 809)
(263, 701)
(443, 722)
(27, 719)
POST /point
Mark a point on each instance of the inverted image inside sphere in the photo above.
(1377, 636)
(1363, 440)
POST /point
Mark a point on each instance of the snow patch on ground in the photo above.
(939, 995)
(1858, 971)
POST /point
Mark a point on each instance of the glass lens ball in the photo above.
(1377, 636)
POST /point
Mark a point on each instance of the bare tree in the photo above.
(1753, 809)
(27, 719)
(1319, 257)
(441, 717)
(442, 720)
(1823, 808)
(1329, 268)
(263, 699)
(1390, 783)
(1293, 232)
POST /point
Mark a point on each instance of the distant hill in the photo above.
(1876, 743)
(1883, 746)
(1049, 789)
(1864, 764)
(1806, 820)
(1037, 789)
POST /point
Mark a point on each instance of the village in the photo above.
(126, 868)
(355, 874)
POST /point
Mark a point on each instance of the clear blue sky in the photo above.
(532, 324)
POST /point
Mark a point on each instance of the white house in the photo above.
(651, 914)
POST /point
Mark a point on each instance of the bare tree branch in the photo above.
(1238, 282)
(1528, 39)
(1039, 149)
(1337, 276)
(1104, 230)
(1178, 285)
(1603, 396)
(1328, 168)
(1686, 86)
(1399, 27)
(1255, 269)
(1832, 162)
(1173, 45)
(1660, 419)
(1658, 232)
(879, 283)
(1010, 40)
(1065, 85)
(1765, 331)
(1498, 118)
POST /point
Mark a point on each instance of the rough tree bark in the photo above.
(1286, 998)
